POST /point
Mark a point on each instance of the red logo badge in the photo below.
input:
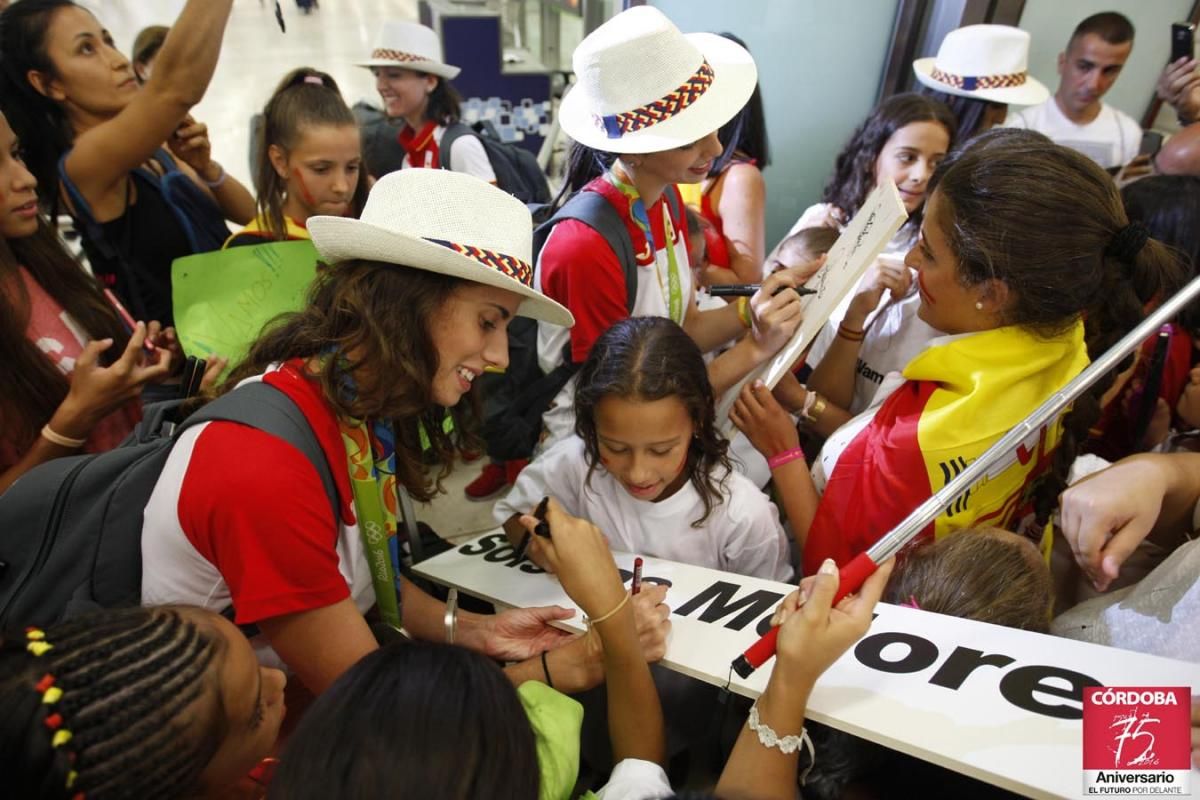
(1137, 740)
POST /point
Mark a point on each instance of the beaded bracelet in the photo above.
(786, 457)
(54, 437)
(787, 745)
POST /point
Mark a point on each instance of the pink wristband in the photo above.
(786, 457)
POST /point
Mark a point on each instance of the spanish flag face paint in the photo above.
(946, 304)
(644, 444)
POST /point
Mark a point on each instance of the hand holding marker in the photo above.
(751, 289)
(864, 565)
(541, 529)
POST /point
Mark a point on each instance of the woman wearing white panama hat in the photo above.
(413, 309)
(413, 81)
(654, 98)
(979, 71)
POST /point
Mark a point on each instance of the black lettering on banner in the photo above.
(962, 662)
(1018, 687)
(718, 596)
(483, 545)
(921, 652)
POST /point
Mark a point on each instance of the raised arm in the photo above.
(103, 155)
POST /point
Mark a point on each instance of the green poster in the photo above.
(222, 299)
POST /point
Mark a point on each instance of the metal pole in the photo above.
(928, 511)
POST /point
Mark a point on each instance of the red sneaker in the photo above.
(490, 483)
(469, 456)
(512, 469)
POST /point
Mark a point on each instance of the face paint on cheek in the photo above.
(924, 289)
(305, 194)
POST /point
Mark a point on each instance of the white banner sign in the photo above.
(859, 245)
(998, 704)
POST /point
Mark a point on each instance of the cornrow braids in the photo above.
(97, 706)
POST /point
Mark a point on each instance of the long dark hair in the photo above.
(39, 122)
(370, 321)
(129, 681)
(305, 97)
(854, 171)
(1169, 206)
(414, 720)
(647, 359)
(1044, 219)
(969, 111)
(33, 386)
(445, 103)
(746, 133)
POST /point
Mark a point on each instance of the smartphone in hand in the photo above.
(1183, 41)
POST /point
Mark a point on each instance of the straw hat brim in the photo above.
(1031, 93)
(734, 82)
(343, 238)
(447, 71)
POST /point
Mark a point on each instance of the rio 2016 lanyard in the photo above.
(371, 457)
(637, 210)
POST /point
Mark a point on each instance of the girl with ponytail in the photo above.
(309, 160)
(1028, 264)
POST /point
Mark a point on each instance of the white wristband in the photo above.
(787, 745)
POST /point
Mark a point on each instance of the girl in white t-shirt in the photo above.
(874, 331)
(648, 465)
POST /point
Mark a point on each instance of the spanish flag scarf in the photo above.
(962, 394)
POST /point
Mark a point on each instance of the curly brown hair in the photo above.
(647, 359)
(853, 176)
(369, 322)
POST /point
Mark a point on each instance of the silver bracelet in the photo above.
(450, 620)
(219, 182)
(787, 745)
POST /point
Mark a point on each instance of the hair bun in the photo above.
(1128, 242)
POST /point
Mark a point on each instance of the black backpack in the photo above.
(71, 529)
(517, 170)
(515, 400)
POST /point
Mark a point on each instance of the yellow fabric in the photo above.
(988, 382)
(691, 193)
(258, 225)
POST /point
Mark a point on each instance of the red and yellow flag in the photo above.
(962, 394)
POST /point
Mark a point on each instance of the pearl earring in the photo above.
(979, 305)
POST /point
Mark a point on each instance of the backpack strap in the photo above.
(453, 132)
(260, 405)
(594, 210)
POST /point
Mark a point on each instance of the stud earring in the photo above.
(978, 305)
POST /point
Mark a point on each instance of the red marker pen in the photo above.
(637, 576)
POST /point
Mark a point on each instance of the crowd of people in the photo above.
(1038, 234)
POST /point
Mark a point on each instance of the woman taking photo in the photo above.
(1020, 317)
(415, 305)
(98, 144)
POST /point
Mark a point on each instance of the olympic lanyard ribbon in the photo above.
(637, 210)
(371, 456)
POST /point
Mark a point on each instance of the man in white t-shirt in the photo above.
(1075, 116)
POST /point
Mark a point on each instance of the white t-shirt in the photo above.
(466, 155)
(1112, 139)
(635, 779)
(894, 336)
(742, 534)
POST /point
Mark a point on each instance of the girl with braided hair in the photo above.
(137, 702)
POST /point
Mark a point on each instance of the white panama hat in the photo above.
(644, 87)
(987, 62)
(410, 45)
(447, 222)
